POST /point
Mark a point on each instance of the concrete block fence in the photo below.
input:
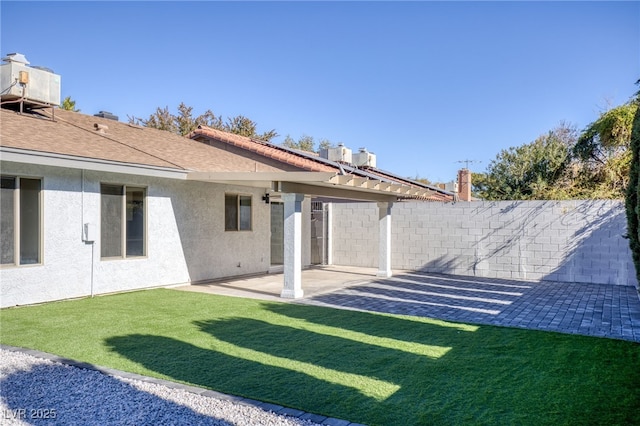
(571, 241)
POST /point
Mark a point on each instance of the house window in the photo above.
(122, 225)
(20, 220)
(237, 212)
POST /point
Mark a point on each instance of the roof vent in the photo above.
(107, 115)
(100, 128)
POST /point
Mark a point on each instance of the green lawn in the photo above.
(363, 367)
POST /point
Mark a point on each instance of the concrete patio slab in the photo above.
(315, 281)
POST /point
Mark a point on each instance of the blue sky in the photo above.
(422, 84)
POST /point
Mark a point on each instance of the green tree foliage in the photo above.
(243, 126)
(162, 119)
(306, 143)
(184, 123)
(562, 165)
(530, 171)
(632, 198)
(603, 152)
(69, 104)
(325, 144)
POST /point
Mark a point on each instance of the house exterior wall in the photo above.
(571, 241)
(186, 240)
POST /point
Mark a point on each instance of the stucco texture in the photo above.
(186, 240)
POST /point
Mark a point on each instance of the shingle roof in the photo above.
(35, 132)
(74, 134)
(205, 150)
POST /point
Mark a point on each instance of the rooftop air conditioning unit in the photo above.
(39, 86)
(451, 186)
(364, 158)
(339, 153)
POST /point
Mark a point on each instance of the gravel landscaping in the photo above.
(40, 391)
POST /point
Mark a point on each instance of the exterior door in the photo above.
(277, 234)
(318, 233)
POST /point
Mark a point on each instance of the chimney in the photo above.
(464, 185)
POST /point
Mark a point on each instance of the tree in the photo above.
(530, 171)
(603, 151)
(243, 126)
(305, 143)
(632, 196)
(184, 123)
(325, 144)
(162, 119)
(69, 105)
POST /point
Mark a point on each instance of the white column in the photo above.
(384, 254)
(329, 234)
(292, 246)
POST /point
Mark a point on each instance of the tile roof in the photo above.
(307, 160)
(207, 134)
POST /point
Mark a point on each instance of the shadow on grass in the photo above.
(415, 330)
(214, 369)
(354, 365)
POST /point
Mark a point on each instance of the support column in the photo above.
(329, 234)
(292, 288)
(384, 254)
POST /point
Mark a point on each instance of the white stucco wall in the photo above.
(186, 240)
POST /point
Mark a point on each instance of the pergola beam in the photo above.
(332, 192)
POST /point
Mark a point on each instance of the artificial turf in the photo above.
(364, 367)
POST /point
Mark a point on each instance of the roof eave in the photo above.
(317, 183)
(18, 155)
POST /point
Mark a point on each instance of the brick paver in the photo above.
(589, 309)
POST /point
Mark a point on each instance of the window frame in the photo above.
(124, 188)
(17, 207)
(238, 196)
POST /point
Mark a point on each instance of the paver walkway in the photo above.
(588, 309)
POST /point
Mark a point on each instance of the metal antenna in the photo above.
(467, 162)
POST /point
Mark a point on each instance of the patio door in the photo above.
(318, 233)
(277, 234)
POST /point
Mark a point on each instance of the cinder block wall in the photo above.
(574, 241)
